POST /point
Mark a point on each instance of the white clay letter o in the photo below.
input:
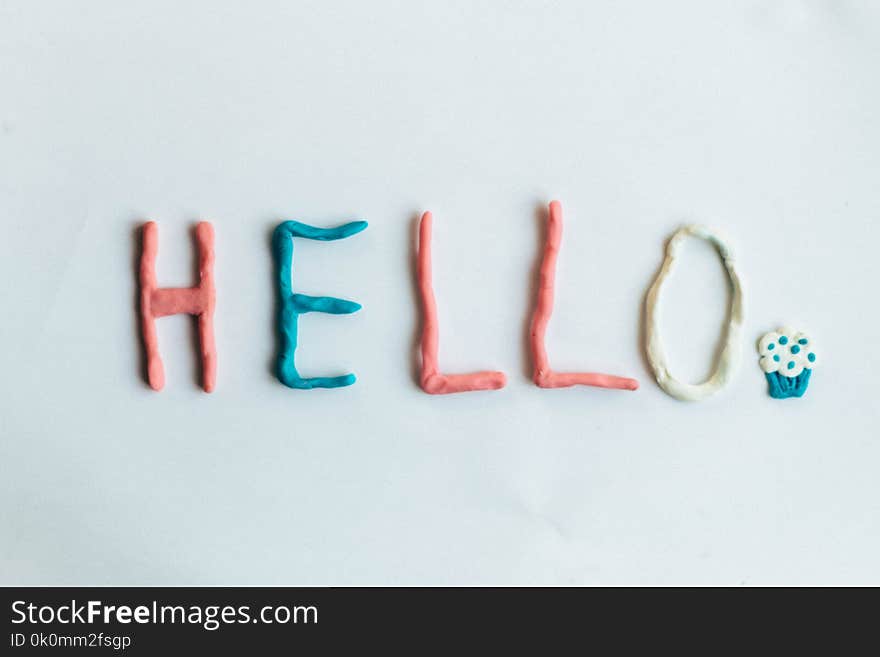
(729, 359)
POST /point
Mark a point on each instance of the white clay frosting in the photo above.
(787, 352)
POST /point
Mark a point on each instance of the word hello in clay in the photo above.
(199, 301)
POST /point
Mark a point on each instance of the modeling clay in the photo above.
(787, 358)
(160, 302)
(728, 361)
(544, 376)
(433, 382)
(291, 306)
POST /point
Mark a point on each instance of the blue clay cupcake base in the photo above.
(782, 387)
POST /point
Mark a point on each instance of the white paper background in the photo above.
(756, 117)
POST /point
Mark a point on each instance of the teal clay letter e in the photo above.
(291, 306)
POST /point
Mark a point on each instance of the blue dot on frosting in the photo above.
(802, 341)
(811, 357)
(776, 357)
(795, 349)
(783, 340)
(771, 346)
(790, 365)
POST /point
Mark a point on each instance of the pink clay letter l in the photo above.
(160, 302)
(544, 376)
(433, 382)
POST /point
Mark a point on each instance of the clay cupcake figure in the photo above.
(787, 358)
